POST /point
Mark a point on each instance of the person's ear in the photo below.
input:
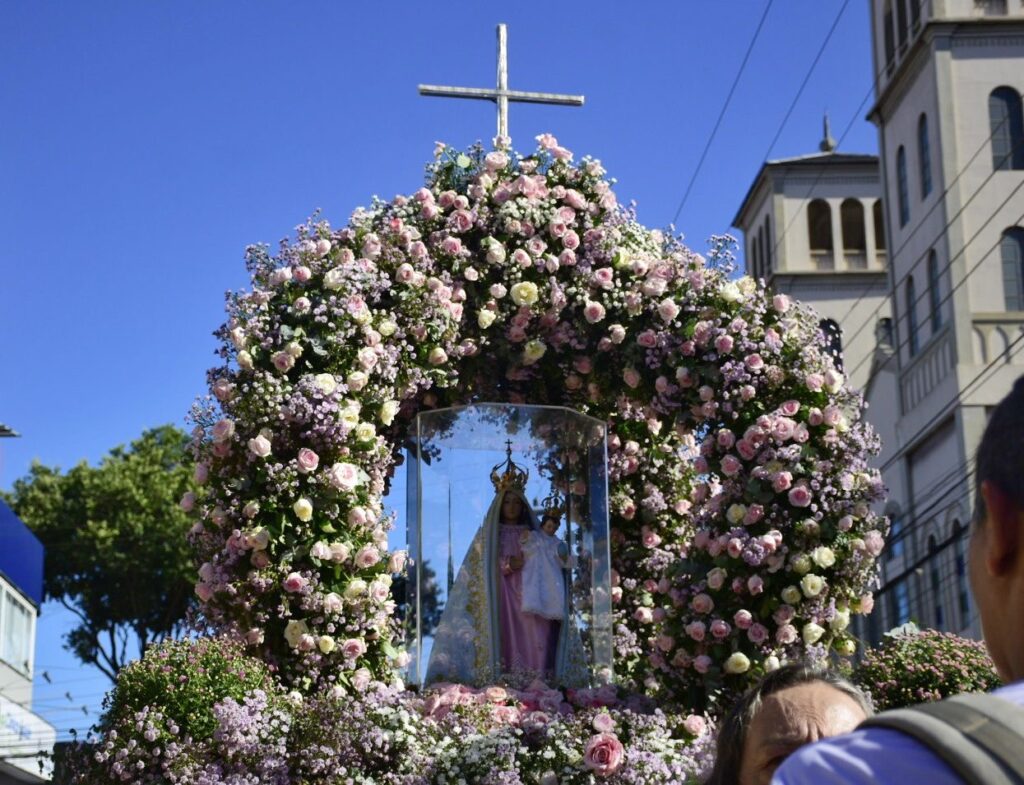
(1002, 529)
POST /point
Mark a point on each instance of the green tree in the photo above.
(116, 554)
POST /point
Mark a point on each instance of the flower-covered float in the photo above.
(742, 530)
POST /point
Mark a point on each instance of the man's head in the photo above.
(997, 534)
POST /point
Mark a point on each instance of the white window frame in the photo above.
(6, 588)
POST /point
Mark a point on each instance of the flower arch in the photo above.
(740, 492)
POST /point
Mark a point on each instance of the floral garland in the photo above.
(742, 529)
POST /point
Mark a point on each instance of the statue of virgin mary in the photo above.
(484, 631)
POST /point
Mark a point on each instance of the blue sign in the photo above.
(21, 555)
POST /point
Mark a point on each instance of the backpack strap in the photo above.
(981, 737)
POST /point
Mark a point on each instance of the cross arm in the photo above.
(483, 93)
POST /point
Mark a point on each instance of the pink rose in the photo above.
(743, 619)
(782, 481)
(451, 245)
(785, 634)
(757, 633)
(702, 663)
(754, 361)
(593, 312)
(644, 615)
(367, 556)
(723, 344)
(361, 680)
(603, 722)
(702, 603)
(694, 725)
(696, 630)
(874, 542)
(647, 339)
(295, 582)
(867, 603)
(631, 377)
(789, 408)
(780, 303)
(603, 754)
(755, 584)
(332, 603)
(461, 221)
(353, 648)
(731, 465)
(800, 495)
(223, 430)
(814, 381)
(814, 416)
(307, 460)
(746, 450)
(720, 629)
(396, 563)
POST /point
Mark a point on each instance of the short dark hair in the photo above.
(1000, 456)
(733, 729)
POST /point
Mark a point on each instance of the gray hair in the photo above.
(733, 729)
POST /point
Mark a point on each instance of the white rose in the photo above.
(334, 279)
(326, 644)
(357, 380)
(746, 284)
(533, 351)
(840, 621)
(244, 360)
(738, 662)
(365, 432)
(344, 476)
(845, 647)
(325, 383)
(237, 335)
(525, 293)
(388, 410)
(251, 509)
(260, 446)
(791, 595)
(731, 293)
(486, 318)
(387, 328)
(812, 585)
(823, 556)
(356, 588)
(303, 509)
(801, 564)
(294, 630)
(771, 663)
(812, 633)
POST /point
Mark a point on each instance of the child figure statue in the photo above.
(545, 562)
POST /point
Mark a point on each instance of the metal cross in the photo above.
(502, 95)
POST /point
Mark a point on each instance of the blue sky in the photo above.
(144, 145)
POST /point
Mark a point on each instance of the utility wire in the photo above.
(721, 114)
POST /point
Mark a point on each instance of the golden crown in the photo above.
(507, 475)
(554, 505)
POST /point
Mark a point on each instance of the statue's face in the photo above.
(511, 507)
(550, 526)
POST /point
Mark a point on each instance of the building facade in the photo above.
(813, 228)
(23, 734)
(951, 138)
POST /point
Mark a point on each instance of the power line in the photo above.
(940, 200)
(927, 253)
(721, 114)
(849, 126)
(807, 78)
(925, 292)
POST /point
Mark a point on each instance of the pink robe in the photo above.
(528, 642)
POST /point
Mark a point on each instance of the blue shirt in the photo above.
(874, 756)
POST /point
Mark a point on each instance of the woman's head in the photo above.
(790, 707)
(513, 509)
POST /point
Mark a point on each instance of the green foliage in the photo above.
(115, 544)
(923, 666)
(185, 679)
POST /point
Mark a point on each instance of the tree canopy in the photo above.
(116, 554)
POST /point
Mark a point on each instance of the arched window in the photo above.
(924, 156)
(935, 570)
(879, 221)
(911, 299)
(890, 39)
(855, 244)
(901, 23)
(833, 334)
(904, 189)
(819, 226)
(894, 547)
(1012, 249)
(768, 249)
(934, 300)
(961, 573)
(1006, 122)
(899, 603)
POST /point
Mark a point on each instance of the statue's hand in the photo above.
(515, 563)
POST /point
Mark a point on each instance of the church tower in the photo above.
(949, 76)
(813, 229)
